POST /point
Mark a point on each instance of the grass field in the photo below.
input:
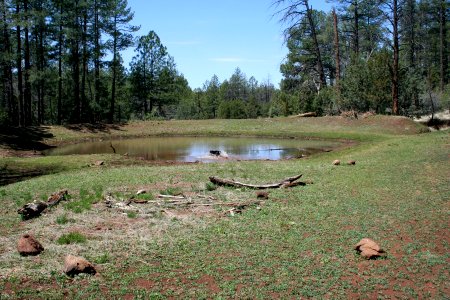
(297, 244)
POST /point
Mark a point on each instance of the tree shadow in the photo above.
(12, 173)
(95, 128)
(25, 138)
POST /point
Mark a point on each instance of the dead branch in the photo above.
(171, 197)
(111, 145)
(305, 115)
(55, 198)
(288, 182)
(34, 209)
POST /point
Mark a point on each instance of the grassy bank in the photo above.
(297, 244)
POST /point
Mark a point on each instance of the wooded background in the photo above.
(61, 63)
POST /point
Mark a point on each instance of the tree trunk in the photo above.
(38, 67)
(76, 68)
(443, 45)
(114, 70)
(356, 25)
(60, 41)
(7, 71)
(96, 55)
(312, 25)
(84, 66)
(337, 52)
(412, 32)
(395, 71)
(43, 80)
(40, 54)
(27, 90)
(19, 69)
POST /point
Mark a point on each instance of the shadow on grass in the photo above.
(94, 128)
(25, 138)
(13, 173)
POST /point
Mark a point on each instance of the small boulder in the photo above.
(74, 265)
(351, 162)
(28, 245)
(99, 163)
(337, 162)
(369, 249)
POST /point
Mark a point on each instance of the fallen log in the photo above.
(34, 209)
(288, 182)
(55, 198)
(306, 115)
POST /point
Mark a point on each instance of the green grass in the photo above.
(298, 245)
(85, 200)
(172, 191)
(61, 220)
(131, 214)
(71, 238)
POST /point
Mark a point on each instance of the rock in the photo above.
(369, 249)
(351, 162)
(99, 163)
(262, 195)
(337, 162)
(368, 253)
(74, 265)
(367, 243)
(28, 245)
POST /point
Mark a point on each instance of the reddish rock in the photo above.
(351, 162)
(74, 265)
(369, 249)
(337, 162)
(28, 245)
(368, 253)
(367, 243)
(99, 163)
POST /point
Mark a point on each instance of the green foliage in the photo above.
(102, 259)
(146, 196)
(233, 109)
(210, 186)
(71, 238)
(173, 191)
(132, 214)
(85, 201)
(61, 220)
(367, 85)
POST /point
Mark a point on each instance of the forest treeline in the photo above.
(61, 63)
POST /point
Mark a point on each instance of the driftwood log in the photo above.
(34, 209)
(288, 182)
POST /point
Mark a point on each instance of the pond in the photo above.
(204, 149)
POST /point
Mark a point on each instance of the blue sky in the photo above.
(208, 37)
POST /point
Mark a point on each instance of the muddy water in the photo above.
(191, 149)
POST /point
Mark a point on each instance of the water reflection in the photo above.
(191, 149)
